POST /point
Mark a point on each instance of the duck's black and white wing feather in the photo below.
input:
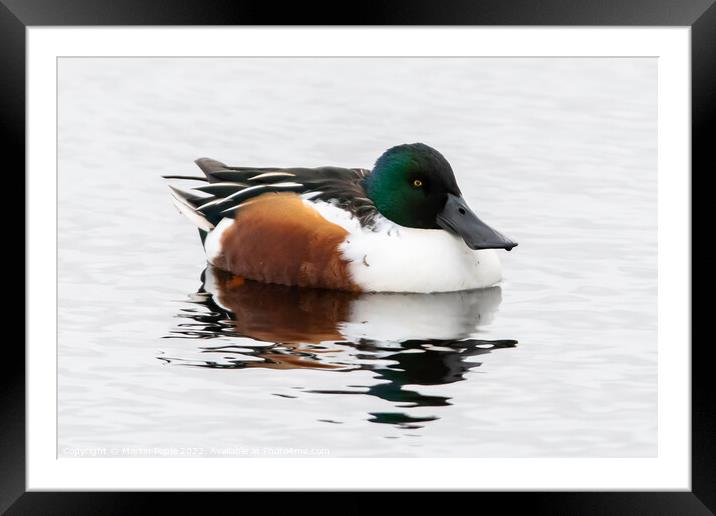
(225, 189)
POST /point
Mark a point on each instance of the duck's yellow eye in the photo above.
(417, 183)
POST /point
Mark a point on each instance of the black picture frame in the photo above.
(17, 15)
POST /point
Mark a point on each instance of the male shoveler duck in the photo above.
(402, 227)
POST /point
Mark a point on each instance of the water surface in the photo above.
(160, 357)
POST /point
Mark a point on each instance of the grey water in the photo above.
(160, 357)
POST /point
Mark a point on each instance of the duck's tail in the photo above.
(225, 189)
(187, 204)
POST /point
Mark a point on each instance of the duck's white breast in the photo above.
(393, 258)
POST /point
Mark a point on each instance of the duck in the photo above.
(402, 226)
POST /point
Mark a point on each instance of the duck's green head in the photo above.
(413, 185)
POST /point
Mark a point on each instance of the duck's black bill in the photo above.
(458, 218)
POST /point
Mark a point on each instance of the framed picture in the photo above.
(350, 318)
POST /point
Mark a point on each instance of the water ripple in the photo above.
(297, 328)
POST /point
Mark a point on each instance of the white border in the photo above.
(671, 470)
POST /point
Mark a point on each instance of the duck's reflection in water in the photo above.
(405, 339)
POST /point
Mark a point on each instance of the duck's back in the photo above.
(261, 223)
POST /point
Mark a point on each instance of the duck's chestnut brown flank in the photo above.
(277, 238)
